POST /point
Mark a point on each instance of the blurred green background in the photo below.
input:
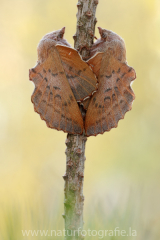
(122, 169)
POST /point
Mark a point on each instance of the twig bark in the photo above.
(73, 203)
(75, 152)
(86, 22)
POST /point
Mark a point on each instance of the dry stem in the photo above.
(75, 152)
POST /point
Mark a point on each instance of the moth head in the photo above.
(107, 35)
(48, 41)
(56, 35)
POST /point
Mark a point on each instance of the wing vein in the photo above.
(75, 88)
(81, 76)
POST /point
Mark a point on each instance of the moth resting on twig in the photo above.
(62, 79)
(115, 95)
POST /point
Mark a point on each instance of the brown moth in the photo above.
(61, 80)
(108, 40)
(115, 95)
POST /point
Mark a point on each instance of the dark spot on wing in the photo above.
(100, 106)
(109, 76)
(68, 77)
(46, 79)
(79, 72)
(116, 89)
(123, 75)
(71, 97)
(55, 87)
(61, 72)
(48, 87)
(108, 89)
(84, 69)
(94, 99)
(130, 69)
(57, 96)
(113, 71)
(54, 75)
(51, 93)
(62, 116)
(70, 68)
(119, 70)
(49, 70)
(69, 119)
(118, 79)
(44, 70)
(107, 98)
(113, 95)
(65, 104)
(33, 70)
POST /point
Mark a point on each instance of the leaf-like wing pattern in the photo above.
(52, 97)
(80, 77)
(113, 98)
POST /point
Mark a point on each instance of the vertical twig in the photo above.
(86, 22)
(73, 204)
(75, 152)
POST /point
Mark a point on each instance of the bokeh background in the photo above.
(122, 169)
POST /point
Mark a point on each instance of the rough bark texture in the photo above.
(75, 152)
(86, 22)
(74, 199)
